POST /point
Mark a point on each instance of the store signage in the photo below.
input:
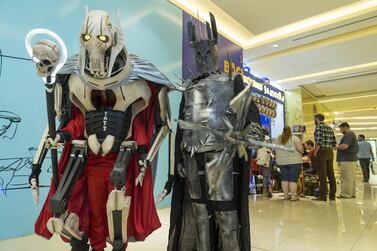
(260, 85)
(276, 94)
(237, 69)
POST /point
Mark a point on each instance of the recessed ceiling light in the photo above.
(361, 128)
(328, 100)
(358, 118)
(328, 72)
(275, 45)
(234, 31)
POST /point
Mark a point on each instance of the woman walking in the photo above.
(290, 163)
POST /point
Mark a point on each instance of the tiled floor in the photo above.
(349, 224)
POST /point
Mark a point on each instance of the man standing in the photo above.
(365, 154)
(324, 141)
(347, 159)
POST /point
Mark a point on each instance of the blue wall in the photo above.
(153, 30)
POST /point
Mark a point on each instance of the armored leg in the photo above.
(195, 172)
(219, 176)
(229, 230)
(189, 231)
(79, 245)
(202, 225)
(185, 231)
(64, 222)
(118, 208)
(118, 205)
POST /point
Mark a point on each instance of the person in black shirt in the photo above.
(347, 158)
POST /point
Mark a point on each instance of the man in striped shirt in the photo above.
(325, 142)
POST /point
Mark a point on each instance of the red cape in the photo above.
(143, 218)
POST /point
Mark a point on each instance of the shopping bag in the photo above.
(373, 167)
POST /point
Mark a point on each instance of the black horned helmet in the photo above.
(205, 49)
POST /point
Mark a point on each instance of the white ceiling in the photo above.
(336, 47)
(288, 42)
(365, 83)
(260, 16)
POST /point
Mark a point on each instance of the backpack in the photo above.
(264, 156)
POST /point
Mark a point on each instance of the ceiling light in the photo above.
(333, 71)
(236, 32)
(357, 118)
(324, 100)
(315, 22)
(362, 123)
(357, 110)
(275, 45)
(361, 128)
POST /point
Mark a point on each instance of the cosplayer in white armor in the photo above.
(108, 88)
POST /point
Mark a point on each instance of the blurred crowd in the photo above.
(308, 170)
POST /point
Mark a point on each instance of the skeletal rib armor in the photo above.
(124, 102)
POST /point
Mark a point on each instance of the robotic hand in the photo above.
(46, 143)
(34, 181)
(182, 173)
(53, 143)
(181, 170)
(142, 162)
(60, 139)
(37, 166)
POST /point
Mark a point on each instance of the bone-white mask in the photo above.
(98, 37)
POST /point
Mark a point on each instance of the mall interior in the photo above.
(298, 59)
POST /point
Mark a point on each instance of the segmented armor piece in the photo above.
(108, 122)
(206, 103)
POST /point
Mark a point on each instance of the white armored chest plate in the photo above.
(126, 102)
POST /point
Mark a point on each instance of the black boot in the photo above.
(118, 245)
(78, 245)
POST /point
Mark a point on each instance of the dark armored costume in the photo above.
(210, 197)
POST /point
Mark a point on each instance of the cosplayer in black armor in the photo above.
(217, 120)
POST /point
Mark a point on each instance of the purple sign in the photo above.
(224, 48)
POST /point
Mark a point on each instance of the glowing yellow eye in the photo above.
(103, 38)
(86, 37)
